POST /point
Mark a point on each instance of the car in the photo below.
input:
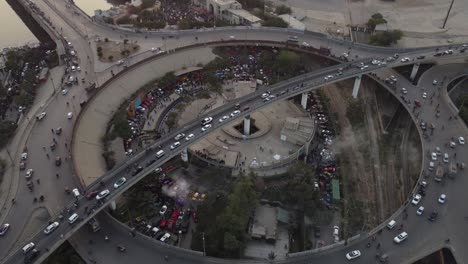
(405, 59)
(50, 228)
(154, 49)
(235, 113)
(404, 91)
(4, 229)
(41, 116)
(102, 194)
(165, 238)
(64, 91)
(29, 173)
(434, 82)
(375, 62)
(400, 238)
(78, 68)
(416, 199)
(461, 140)
(22, 165)
(163, 210)
(206, 127)
(353, 254)
(120, 182)
(433, 216)
(120, 62)
(58, 130)
(73, 68)
(446, 158)
(420, 210)
(176, 145)
(70, 115)
(393, 78)
(265, 95)
(305, 44)
(424, 95)
(189, 137)
(91, 194)
(224, 118)
(179, 136)
(434, 156)
(452, 144)
(58, 161)
(206, 120)
(442, 198)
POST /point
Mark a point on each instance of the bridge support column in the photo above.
(184, 155)
(357, 85)
(304, 98)
(247, 125)
(113, 206)
(414, 71)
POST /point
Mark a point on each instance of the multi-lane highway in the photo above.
(253, 101)
(73, 24)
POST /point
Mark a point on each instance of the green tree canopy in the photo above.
(376, 19)
(274, 22)
(386, 38)
(282, 9)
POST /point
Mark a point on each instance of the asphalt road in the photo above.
(43, 134)
(253, 101)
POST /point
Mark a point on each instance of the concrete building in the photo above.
(292, 22)
(266, 221)
(110, 13)
(298, 131)
(231, 11)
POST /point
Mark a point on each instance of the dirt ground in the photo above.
(376, 171)
(115, 49)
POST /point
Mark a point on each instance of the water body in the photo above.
(13, 32)
(88, 6)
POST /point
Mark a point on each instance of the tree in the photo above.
(125, 41)
(106, 40)
(99, 49)
(286, 62)
(375, 20)
(7, 129)
(147, 3)
(184, 24)
(274, 22)
(282, 9)
(171, 120)
(111, 57)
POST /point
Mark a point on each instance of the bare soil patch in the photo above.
(113, 51)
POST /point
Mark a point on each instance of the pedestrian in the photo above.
(52, 130)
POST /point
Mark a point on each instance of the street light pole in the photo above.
(448, 13)
(203, 236)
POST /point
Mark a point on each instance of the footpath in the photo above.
(11, 153)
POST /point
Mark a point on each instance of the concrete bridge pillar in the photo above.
(304, 98)
(247, 125)
(357, 85)
(414, 71)
(113, 205)
(184, 155)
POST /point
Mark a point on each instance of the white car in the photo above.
(405, 59)
(24, 156)
(424, 95)
(189, 137)
(446, 158)
(434, 82)
(461, 141)
(206, 127)
(64, 91)
(102, 194)
(41, 116)
(175, 145)
(222, 119)
(163, 210)
(207, 120)
(375, 62)
(50, 228)
(165, 238)
(434, 156)
(353, 254)
(70, 115)
(235, 113)
(154, 49)
(420, 210)
(179, 136)
(305, 44)
(29, 173)
(265, 95)
(416, 199)
(120, 182)
(78, 68)
(120, 62)
(404, 91)
(442, 198)
(400, 238)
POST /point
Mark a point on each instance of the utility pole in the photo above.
(203, 236)
(448, 13)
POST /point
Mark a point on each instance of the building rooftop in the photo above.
(245, 15)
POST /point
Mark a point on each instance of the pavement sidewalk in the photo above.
(12, 151)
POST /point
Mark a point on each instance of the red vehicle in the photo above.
(91, 195)
(246, 108)
(175, 214)
(195, 217)
(329, 169)
(163, 223)
(171, 223)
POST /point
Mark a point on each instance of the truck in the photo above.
(94, 225)
(453, 170)
(439, 173)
